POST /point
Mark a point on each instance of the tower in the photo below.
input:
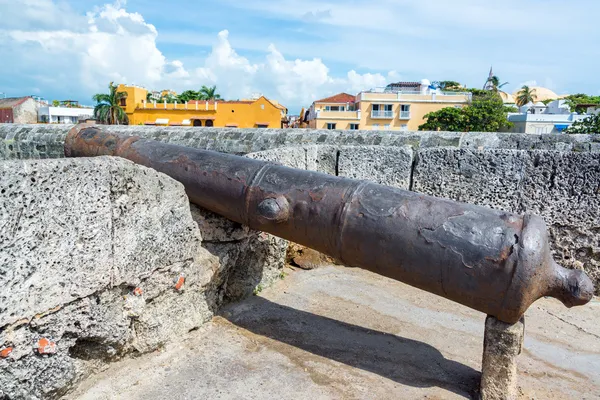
(488, 83)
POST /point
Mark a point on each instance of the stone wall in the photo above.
(46, 141)
(101, 258)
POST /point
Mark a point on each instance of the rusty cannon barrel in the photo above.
(493, 261)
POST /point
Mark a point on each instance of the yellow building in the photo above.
(258, 113)
(400, 107)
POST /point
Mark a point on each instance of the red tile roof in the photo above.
(341, 98)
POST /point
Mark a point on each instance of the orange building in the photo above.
(258, 113)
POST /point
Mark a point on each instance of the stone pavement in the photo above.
(342, 333)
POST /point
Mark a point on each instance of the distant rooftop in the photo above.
(405, 84)
(10, 102)
(341, 98)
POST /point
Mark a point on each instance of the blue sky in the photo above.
(294, 51)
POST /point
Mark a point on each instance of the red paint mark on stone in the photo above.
(180, 282)
(4, 353)
(138, 291)
(45, 346)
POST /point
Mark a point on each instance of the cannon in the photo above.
(493, 261)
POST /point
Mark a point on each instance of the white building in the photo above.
(540, 118)
(64, 115)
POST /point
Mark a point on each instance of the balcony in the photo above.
(381, 114)
(404, 114)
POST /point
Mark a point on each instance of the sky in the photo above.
(294, 51)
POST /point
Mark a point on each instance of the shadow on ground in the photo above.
(406, 361)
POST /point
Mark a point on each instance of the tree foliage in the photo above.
(108, 109)
(209, 93)
(495, 83)
(574, 101)
(525, 95)
(205, 93)
(590, 124)
(447, 85)
(486, 113)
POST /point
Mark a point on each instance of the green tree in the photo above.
(55, 103)
(575, 102)
(486, 113)
(447, 85)
(495, 82)
(590, 124)
(525, 95)
(108, 107)
(447, 119)
(169, 98)
(209, 93)
(189, 95)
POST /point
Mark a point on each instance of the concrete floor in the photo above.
(341, 333)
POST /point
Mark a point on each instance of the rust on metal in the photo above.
(496, 262)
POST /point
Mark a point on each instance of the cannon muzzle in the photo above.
(493, 261)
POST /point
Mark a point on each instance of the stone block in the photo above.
(90, 253)
(248, 260)
(391, 166)
(502, 344)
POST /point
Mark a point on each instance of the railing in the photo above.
(206, 106)
(404, 114)
(382, 114)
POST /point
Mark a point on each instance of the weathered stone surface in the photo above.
(90, 253)
(25, 139)
(384, 165)
(562, 187)
(32, 141)
(502, 344)
(248, 260)
(305, 257)
(313, 158)
(294, 157)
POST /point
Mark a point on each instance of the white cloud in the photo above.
(112, 44)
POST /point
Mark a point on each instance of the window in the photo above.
(382, 111)
(123, 102)
(403, 127)
(354, 127)
(262, 106)
(327, 108)
(375, 127)
(386, 127)
(330, 125)
(262, 125)
(405, 111)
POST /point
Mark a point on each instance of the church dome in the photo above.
(506, 97)
(541, 93)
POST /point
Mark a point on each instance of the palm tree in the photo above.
(108, 107)
(495, 83)
(525, 95)
(209, 93)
